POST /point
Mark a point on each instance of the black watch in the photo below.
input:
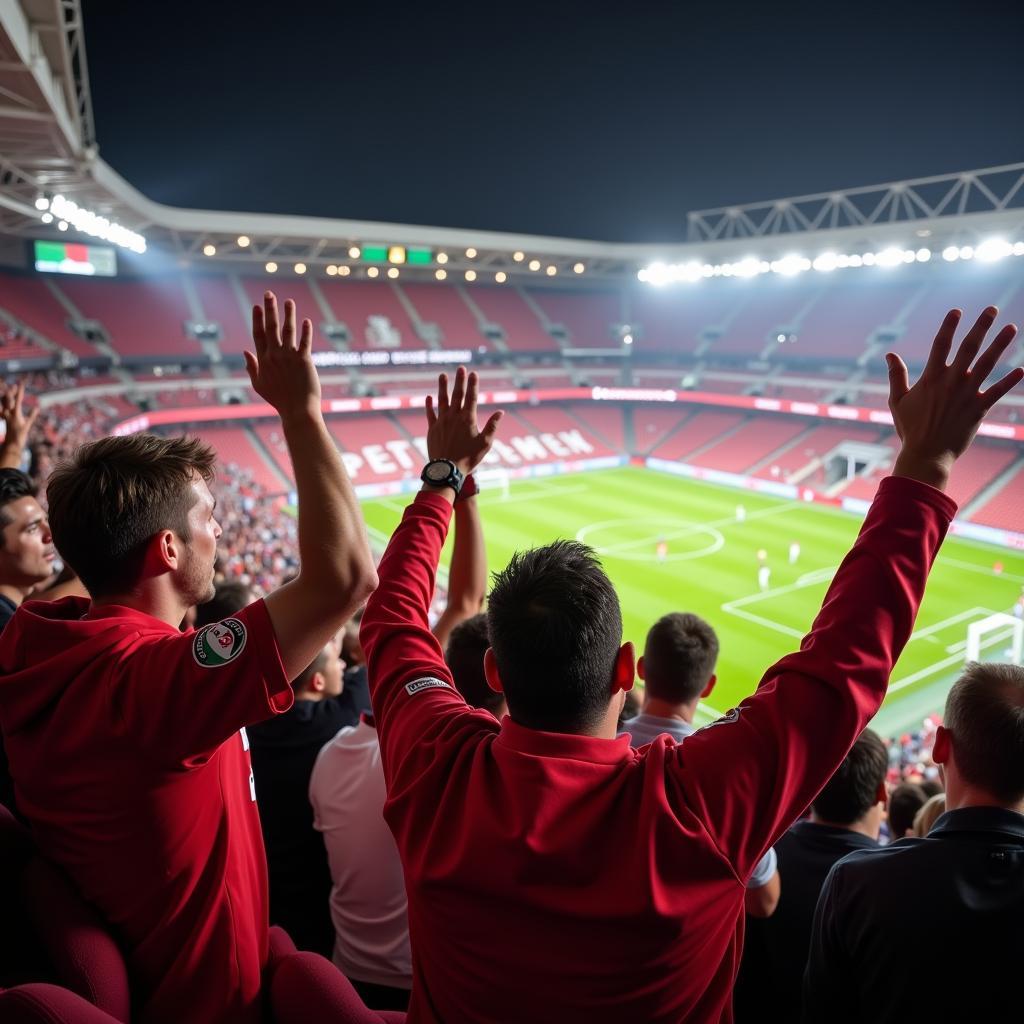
(442, 473)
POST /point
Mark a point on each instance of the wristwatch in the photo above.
(442, 473)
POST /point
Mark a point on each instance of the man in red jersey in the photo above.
(553, 872)
(126, 737)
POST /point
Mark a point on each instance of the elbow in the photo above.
(365, 584)
(762, 902)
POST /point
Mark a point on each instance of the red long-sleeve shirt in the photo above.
(567, 878)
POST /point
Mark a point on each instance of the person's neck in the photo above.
(960, 796)
(158, 604)
(14, 594)
(658, 708)
(862, 826)
(310, 695)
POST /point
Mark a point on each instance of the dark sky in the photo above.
(597, 120)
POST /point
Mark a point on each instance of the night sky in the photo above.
(594, 120)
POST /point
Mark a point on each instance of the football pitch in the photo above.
(711, 569)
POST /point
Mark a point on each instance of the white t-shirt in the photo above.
(368, 902)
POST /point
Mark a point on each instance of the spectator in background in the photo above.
(555, 873)
(678, 669)
(126, 736)
(230, 597)
(962, 885)
(904, 803)
(845, 816)
(929, 813)
(368, 900)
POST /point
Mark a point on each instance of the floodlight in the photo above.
(90, 223)
(826, 262)
(344, 271)
(993, 249)
(470, 253)
(923, 255)
(519, 256)
(42, 203)
(62, 225)
(890, 257)
(627, 339)
(332, 270)
(47, 218)
(300, 268)
(209, 249)
(534, 264)
(354, 252)
(1018, 248)
(551, 271)
(791, 264)
(578, 268)
(470, 275)
(951, 253)
(501, 277)
(271, 267)
(243, 241)
(440, 274)
(372, 271)
(441, 257)
(393, 272)
(747, 267)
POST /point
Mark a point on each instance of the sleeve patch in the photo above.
(219, 643)
(426, 683)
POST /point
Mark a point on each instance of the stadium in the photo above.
(710, 416)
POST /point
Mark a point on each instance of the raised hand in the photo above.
(452, 429)
(18, 424)
(282, 370)
(937, 418)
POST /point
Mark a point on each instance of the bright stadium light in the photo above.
(62, 225)
(331, 270)
(993, 249)
(47, 218)
(89, 223)
(501, 277)
(372, 271)
(440, 274)
(534, 264)
(627, 339)
(519, 256)
(470, 275)
(967, 252)
(749, 266)
(826, 262)
(891, 257)
(791, 264)
(300, 268)
(344, 271)
(441, 257)
(393, 272)
(243, 241)
(1018, 248)
(578, 268)
(470, 253)
(354, 252)
(923, 255)
(951, 253)
(551, 270)
(271, 267)
(209, 249)
(42, 203)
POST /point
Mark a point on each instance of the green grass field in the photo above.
(712, 570)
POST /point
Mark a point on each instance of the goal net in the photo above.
(998, 637)
(494, 481)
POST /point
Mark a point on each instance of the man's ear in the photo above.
(317, 683)
(163, 553)
(706, 692)
(491, 672)
(942, 746)
(625, 669)
(882, 796)
(640, 667)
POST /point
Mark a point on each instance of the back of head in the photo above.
(928, 813)
(985, 720)
(14, 485)
(679, 658)
(853, 790)
(465, 657)
(555, 627)
(113, 495)
(230, 597)
(904, 803)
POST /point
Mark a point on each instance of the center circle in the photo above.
(636, 539)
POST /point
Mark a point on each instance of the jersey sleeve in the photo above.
(764, 870)
(180, 695)
(414, 697)
(749, 775)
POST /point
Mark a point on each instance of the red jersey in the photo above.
(565, 878)
(131, 763)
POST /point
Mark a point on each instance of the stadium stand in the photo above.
(234, 446)
(1003, 509)
(445, 308)
(222, 303)
(588, 317)
(30, 301)
(509, 310)
(144, 319)
(701, 430)
(297, 289)
(768, 310)
(359, 304)
(755, 441)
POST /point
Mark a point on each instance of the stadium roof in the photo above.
(48, 148)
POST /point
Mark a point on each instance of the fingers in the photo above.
(442, 394)
(259, 336)
(431, 415)
(19, 394)
(899, 378)
(272, 330)
(491, 427)
(939, 355)
(975, 336)
(306, 337)
(459, 389)
(472, 392)
(288, 333)
(252, 364)
(1001, 387)
(31, 419)
(986, 362)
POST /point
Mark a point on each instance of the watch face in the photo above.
(438, 472)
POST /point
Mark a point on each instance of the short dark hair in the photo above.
(985, 719)
(465, 657)
(679, 657)
(318, 664)
(904, 802)
(555, 627)
(853, 790)
(113, 495)
(230, 597)
(14, 485)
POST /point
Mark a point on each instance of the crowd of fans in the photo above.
(473, 815)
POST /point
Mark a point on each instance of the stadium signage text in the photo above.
(396, 357)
